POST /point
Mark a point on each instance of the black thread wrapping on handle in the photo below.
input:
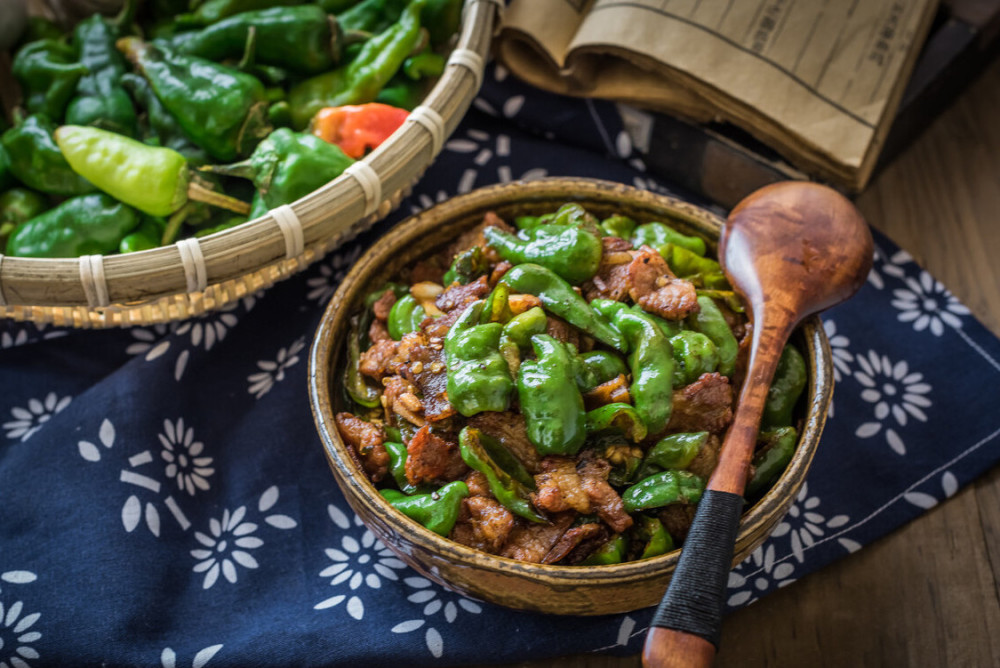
(697, 593)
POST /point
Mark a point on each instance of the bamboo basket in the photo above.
(195, 276)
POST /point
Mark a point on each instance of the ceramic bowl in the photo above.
(570, 590)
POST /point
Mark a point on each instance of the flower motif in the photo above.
(435, 599)
(357, 562)
(17, 334)
(168, 658)
(182, 455)
(15, 636)
(928, 305)
(274, 372)
(331, 273)
(804, 524)
(893, 390)
(425, 201)
(949, 485)
(765, 574)
(842, 357)
(30, 419)
(477, 141)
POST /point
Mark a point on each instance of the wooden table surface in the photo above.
(929, 593)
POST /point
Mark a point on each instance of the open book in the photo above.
(817, 80)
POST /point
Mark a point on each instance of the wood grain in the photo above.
(927, 595)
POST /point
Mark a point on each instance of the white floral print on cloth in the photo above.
(491, 157)
(168, 658)
(32, 417)
(18, 634)
(895, 392)
(438, 604)
(272, 372)
(330, 273)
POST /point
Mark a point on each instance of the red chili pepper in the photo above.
(358, 128)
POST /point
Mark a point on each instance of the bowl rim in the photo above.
(324, 355)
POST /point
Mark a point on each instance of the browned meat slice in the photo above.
(561, 330)
(378, 332)
(531, 542)
(708, 456)
(430, 458)
(612, 278)
(431, 270)
(615, 245)
(437, 328)
(677, 520)
(383, 305)
(458, 297)
(426, 369)
(603, 497)
(482, 524)
(613, 391)
(478, 484)
(474, 237)
(509, 429)
(498, 271)
(399, 397)
(570, 540)
(655, 288)
(704, 405)
(366, 441)
(375, 361)
(560, 487)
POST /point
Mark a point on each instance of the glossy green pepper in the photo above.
(48, 71)
(438, 511)
(100, 99)
(620, 416)
(16, 206)
(651, 361)
(558, 297)
(222, 110)
(336, 6)
(371, 16)
(511, 494)
(397, 467)
(304, 39)
(478, 376)
(529, 222)
(148, 235)
(84, 225)
(37, 162)
(596, 367)
(286, 166)
(659, 236)
(710, 322)
(575, 215)
(405, 316)
(424, 65)
(402, 92)
(36, 28)
(608, 308)
(612, 552)
(786, 387)
(515, 337)
(443, 19)
(211, 11)
(675, 451)
(497, 306)
(360, 80)
(466, 267)
(571, 252)
(550, 400)
(703, 272)
(694, 355)
(618, 226)
(663, 489)
(164, 129)
(506, 460)
(355, 384)
(771, 458)
(655, 539)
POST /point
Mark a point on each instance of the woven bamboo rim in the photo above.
(195, 276)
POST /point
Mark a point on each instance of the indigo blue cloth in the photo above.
(166, 502)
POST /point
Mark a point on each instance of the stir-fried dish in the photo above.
(557, 391)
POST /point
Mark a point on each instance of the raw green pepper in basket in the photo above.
(550, 400)
(361, 79)
(478, 375)
(221, 109)
(48, 71)
(569, 251)
(16, 206)
(163, 128)
(37, 162)
(84, 225)
(210, 11)
(438, 511)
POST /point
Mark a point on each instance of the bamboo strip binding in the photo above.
(193, 277)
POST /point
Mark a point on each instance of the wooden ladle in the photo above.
(790, 249)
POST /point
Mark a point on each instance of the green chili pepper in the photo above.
(656, 540)
(336, 6)
(48, 71)
(529, 222)
(618, 226)
(523, 326)
(559, 298)
(37, 28)
(84, 225)
(424, 65)
(506, 460)
(596, 367)
(438, 511)
(659, 236)
(360, 80)
(303, 39)
(772, 458)
(288, 165)
(405, 316)
(571, 252)
(478, 376)
(6, 178)
(397, 467)
(163, 127)
(442, 18)
(497, 306)
(466, 267)
(701, 271)
(398, 289)
(371, 16)
(211, 11)
(402, 92)
(675, 451)
(16, 206)
(663, 489)
(550, 400)
(357, 387)
(575, 215)
(651, 361)
(100, 100)
(228, 223)
(694, 355)
(710, 322)
(146, 236)
(221, 109)
(789, 381)
(612, 552)
(608, 308)
(511, 494)
(37, 162)
(619, 416)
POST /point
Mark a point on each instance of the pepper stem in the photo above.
(174, 224)
(199, 193)
(249, 58)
